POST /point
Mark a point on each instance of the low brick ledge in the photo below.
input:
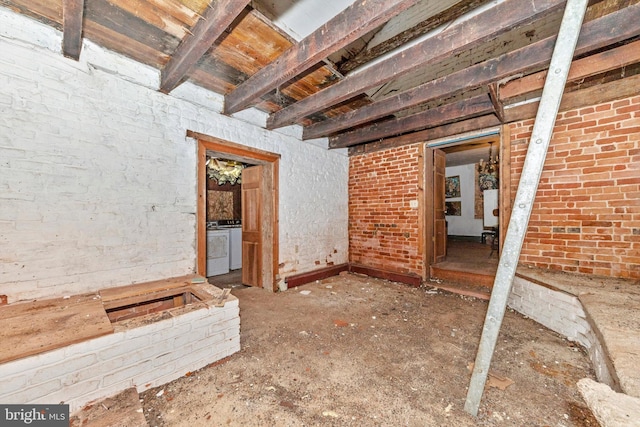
(611, 308)
(142, 352)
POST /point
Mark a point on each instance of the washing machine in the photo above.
(217, 252)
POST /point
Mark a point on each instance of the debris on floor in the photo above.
(494, 380)
(122, 410)
(354, 360)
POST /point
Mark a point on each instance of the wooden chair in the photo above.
(495, 241)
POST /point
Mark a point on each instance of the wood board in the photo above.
(122, 292)
(34, 327)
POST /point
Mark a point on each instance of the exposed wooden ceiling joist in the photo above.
(483, 46)
(576, 99)
(457, 128)
(412, 33)
(612, 59)
(72, 13)
(464, 35)
(595, 34)
(214, 22)
(580, 98)
(464, 109)
(498, 106)
(354, 22)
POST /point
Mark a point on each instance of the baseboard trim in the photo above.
(406, 278)
(333, 270)
(312, 276)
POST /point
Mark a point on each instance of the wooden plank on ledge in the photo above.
(222, 298)
(34, 327)
(127, 291)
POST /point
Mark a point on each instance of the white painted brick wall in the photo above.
(562, 313)
(142, 357)
(98, 179)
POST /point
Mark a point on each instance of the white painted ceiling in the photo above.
(467, 157)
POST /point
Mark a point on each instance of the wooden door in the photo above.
(439, 220)
(252, 189)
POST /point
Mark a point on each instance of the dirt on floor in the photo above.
(356, 351)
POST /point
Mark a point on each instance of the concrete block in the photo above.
(611, 409)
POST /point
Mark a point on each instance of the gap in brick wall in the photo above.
(149, 306)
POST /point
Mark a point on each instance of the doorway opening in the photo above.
(257, 216)
(465, 183)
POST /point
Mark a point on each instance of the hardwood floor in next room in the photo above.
(468, 263)
(232, 280)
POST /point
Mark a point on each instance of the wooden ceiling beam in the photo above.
(457, 128)
(464, 109)
(582, 68)
(595, 34)
(354, 22)
(447, 15)
(464, 35)
(72, 14)
(498, 106)
(215, 20)
(593, 95)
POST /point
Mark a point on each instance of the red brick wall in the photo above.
(586, 216)
(383, 227)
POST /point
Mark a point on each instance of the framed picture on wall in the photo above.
(453, 208)
(452, 186)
